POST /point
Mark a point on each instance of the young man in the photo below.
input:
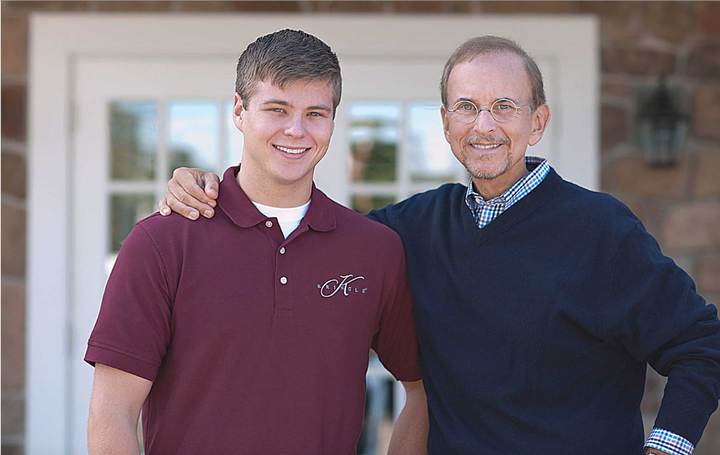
(538, 303)
(250, 333)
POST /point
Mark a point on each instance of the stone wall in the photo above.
(14, 211)
(639, 41)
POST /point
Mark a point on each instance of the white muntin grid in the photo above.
(404, 185)
(156, 185)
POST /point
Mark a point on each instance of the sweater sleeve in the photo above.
(659, 318)
(381, 215)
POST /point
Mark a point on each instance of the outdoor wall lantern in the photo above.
(662, 127)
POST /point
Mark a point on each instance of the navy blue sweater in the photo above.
(535, 331)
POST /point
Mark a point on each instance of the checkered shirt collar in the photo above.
(485, 211)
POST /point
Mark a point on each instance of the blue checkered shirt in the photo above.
(485, 211)
(669, 442)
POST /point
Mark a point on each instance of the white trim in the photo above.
(129, 187)
(56, 40)
(48, 241)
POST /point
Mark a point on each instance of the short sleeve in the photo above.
(396, 342)
(133, 328)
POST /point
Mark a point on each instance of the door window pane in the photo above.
(125, 211)
(430, 158)
(364, 203)
(133, 140)
(193, 135)
(374, 141)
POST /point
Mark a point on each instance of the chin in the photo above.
(290, 178)
(487, 171)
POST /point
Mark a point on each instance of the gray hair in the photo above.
(489, 44)
(287, 56)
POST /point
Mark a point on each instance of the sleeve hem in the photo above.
(121, 361)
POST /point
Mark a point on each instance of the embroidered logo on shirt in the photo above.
(347, 284)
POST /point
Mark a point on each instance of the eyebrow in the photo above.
(462, 98)
(318, 107)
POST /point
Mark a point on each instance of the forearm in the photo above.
(409, 436)
(112, 433)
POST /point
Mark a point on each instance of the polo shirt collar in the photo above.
(233, 201)
(321, 213)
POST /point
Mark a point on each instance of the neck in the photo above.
(271, 193)
(494, 187)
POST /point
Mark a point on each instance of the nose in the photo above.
(295, 127)
(484, 122)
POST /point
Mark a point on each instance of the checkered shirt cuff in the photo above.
(669, 442)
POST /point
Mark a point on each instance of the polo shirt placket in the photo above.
(284, 303)
(282, 267)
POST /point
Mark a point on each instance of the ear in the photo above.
(238, 111)
(540, 119)
(444, 116)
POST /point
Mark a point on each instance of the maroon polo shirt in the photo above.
(256, 344)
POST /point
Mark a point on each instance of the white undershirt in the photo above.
(289, 218)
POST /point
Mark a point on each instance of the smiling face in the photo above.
(286, 131)
(492, 152)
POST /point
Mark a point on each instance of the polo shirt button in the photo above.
(268, 223)
(283, 280)
(282, 250)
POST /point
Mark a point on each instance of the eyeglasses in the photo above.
(502, 110)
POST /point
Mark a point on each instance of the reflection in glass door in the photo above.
(148, 140)
(396, 149)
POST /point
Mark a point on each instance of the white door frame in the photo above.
(59, 40)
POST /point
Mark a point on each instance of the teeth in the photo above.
(485, 146)
(292, 151)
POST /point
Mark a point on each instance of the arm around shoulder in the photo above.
(117, 398)
(190, 192)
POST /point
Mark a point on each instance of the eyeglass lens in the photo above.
(502, 110)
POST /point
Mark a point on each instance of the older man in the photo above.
(538, 303)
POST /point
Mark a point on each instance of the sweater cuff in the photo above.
(669, 442)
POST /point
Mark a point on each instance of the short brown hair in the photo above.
(489, 44)
(287, 56)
